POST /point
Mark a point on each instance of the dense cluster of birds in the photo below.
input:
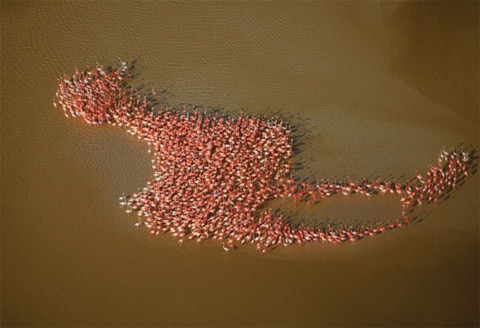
(213, 175)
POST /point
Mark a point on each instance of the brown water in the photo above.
(375, 88)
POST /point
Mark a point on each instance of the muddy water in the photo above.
(375, 89)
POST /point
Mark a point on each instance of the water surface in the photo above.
(374, 88)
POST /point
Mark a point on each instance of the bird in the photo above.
(225, 248)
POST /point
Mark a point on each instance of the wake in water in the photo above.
(213, 175)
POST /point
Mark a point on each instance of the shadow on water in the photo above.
(422, 29)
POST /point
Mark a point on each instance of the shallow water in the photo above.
(375, 89)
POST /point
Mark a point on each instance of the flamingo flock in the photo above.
(212, 176)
